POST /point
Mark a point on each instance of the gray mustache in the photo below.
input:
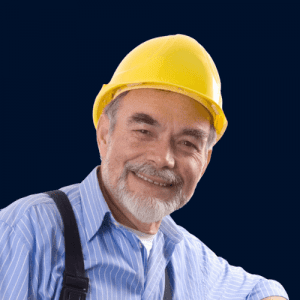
(166, 176)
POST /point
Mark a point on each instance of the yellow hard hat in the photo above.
(176, 63)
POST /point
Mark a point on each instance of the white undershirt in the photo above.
(145, 238)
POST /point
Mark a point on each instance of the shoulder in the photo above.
(209, 262)
(190, 240)
(186, 242)
(35, 214)
(194, 246)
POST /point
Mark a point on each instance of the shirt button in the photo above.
(141, 245)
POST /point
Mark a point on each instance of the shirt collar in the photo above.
(94, 209)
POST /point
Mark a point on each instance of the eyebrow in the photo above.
(142, 118)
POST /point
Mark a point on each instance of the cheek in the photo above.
(133, 146)
(193, 173)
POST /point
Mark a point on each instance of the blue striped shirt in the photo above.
(119, 264)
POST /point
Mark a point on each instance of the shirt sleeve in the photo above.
(14, 265)
(267, 288)
(225, 281)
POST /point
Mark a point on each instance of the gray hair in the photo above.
(111, 111)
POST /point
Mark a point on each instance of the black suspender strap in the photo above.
(75, 284)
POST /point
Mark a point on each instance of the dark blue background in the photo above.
(55, 59)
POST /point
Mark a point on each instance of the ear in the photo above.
(102, 134)
(207, 161)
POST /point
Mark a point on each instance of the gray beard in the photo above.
(144, 208)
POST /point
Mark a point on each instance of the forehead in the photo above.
(166, 106)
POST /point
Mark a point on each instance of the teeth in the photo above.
(157, 183)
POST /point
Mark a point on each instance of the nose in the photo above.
(161, 154)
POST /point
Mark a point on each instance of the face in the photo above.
(155, 149)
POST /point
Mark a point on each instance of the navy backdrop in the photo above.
(55, 59)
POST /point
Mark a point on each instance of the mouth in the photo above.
(152, 184)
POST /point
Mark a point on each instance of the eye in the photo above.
(190, 144)
(144, 132)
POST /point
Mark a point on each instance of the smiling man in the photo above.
(156, 123)
(154, 159)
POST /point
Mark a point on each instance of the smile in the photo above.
(149, 181)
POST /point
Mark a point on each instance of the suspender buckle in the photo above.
(74, 288)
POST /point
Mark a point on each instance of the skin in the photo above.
(132, 201)
(274, 298)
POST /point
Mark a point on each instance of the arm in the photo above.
(274, 298)
(14, 265)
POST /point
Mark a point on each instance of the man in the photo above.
(137, 153)
(155, 142)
